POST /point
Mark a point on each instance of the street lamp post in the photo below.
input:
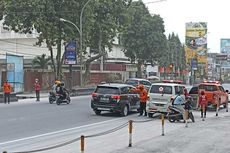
(81, 35)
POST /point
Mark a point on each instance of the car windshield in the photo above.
(107, 90)
(132, 82)
(208, 87)
(161, 89)
(193, 90)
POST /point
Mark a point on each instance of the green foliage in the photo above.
(144, 40)
(41, 62)
(176, 52)
(101, 19)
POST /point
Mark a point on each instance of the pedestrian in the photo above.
(7, 91)
(37, 89)
(203, 104)
(143, 94)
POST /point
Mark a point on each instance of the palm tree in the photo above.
(41, 62)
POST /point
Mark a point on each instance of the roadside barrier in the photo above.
(162, 123)
(130, 132)
(82, 138)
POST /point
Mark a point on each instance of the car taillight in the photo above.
(94, 94)
(117, 97)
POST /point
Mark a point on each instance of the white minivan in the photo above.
(161, 96)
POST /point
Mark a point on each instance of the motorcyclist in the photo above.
(60, 89)
(178, 103)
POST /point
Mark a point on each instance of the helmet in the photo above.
(57, 82)
(36, 79)
(141, 87)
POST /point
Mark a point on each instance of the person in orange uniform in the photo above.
(143, 98)
(7, 91)
(203, 104)
(37, 89)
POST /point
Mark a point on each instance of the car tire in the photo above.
(150, 115)
(125, 111)
(97, 112)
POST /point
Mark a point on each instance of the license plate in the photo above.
(104, 99)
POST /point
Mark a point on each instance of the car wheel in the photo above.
(97, 112)
(150, 115)
(125, 111)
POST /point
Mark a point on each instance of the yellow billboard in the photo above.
(196, 42)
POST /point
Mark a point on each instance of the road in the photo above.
(29, 125)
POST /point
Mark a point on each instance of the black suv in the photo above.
(114, 97)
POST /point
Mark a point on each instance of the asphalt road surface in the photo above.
(28, 125)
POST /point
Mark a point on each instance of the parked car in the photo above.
(136, 81)
(161, 96)
(193, 92)
(114, 97)
(213, 90)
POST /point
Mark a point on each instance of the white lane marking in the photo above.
(57, 132)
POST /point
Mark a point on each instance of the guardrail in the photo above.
(83, 137)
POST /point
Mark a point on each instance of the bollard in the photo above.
(227, 106)
(162, 123)
(82, 143)
(130, 132)
(186, 118)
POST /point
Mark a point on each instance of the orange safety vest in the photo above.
(143, 95)
(6, 87)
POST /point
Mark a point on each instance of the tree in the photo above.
(108, 17)
(144, 38)
(41, 62)
(100, 23)
(177, 52)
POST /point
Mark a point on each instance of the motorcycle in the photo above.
(61, 99)
(52, 97)
(176, 115)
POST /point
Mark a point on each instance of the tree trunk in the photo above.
(88, 62)
(59, 64)
(139, 72)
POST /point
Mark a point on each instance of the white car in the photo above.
(161, 96)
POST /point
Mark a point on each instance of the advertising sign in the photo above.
(196, 42)
(194, 64)
(70, 53)
(225, 46)
(15, 71)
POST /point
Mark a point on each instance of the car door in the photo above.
(223, 95)
(133, 98)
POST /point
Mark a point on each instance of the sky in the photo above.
(176, 13)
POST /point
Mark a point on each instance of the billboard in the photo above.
(70, 53)
(15, 72)
(225, 46)
(196, 42)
